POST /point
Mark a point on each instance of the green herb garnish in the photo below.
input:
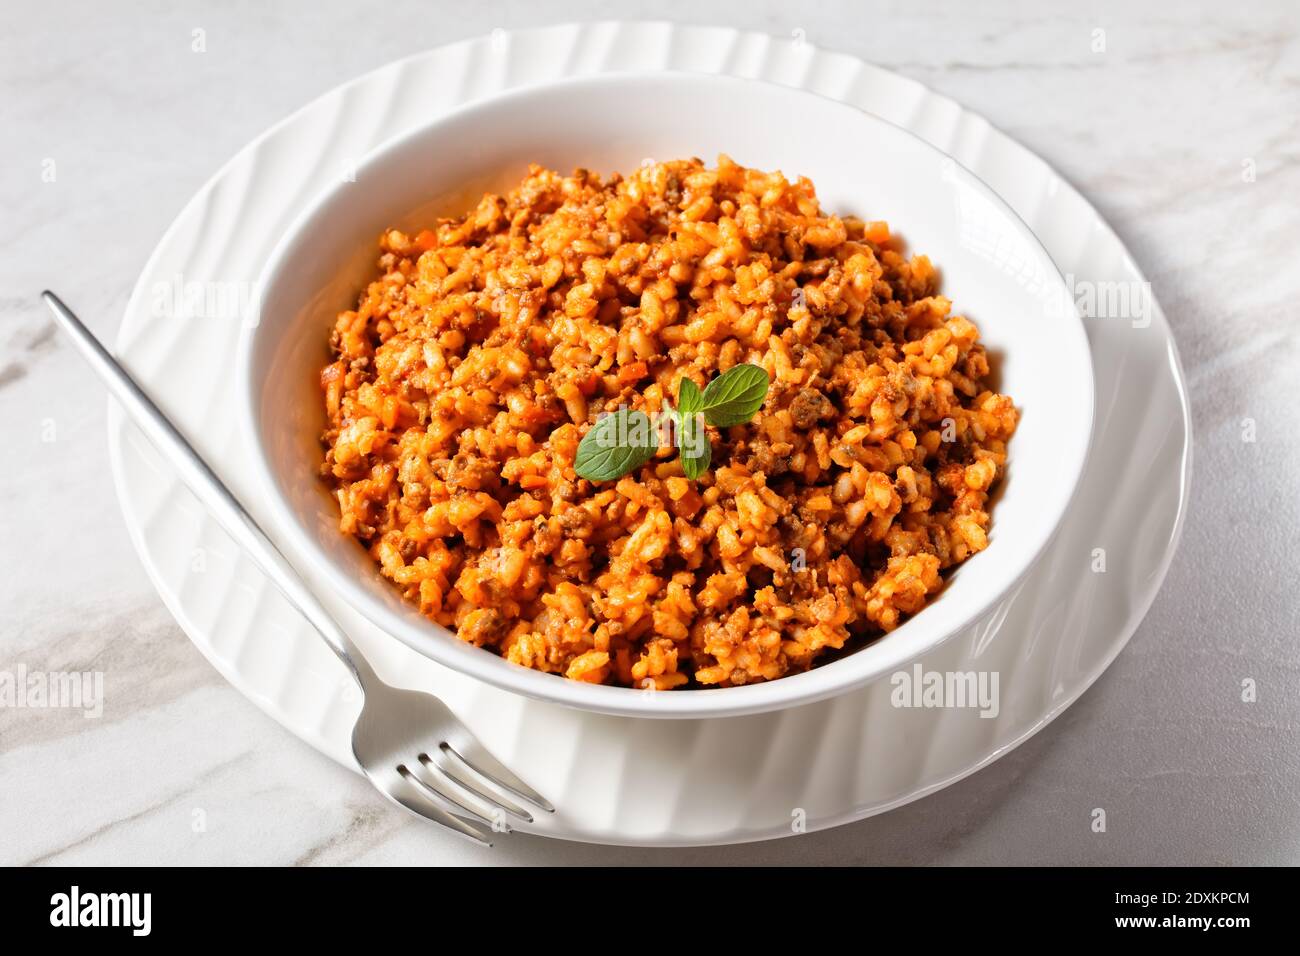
(625, 440)
(693, 445)
(689, 398)
(618, 443)
(735, 396)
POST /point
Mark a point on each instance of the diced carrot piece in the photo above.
(632, 372)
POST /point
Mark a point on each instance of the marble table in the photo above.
(1183, 131)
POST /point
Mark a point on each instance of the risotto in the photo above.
(488, 346)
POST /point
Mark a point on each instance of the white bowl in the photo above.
(991, 265)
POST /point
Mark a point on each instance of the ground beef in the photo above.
(809, 407)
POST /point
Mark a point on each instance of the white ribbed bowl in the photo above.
(993, 268)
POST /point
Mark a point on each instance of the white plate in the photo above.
(618, 779)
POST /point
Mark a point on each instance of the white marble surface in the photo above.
(1154, 131)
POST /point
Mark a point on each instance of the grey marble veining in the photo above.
(1156, 131)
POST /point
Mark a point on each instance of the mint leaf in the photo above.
(618, 443)
(735, 396)
(693, 444)
(625, 440)
(689, 398)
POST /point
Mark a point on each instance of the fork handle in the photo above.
(209, 489)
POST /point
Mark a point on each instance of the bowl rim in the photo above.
(431, 640)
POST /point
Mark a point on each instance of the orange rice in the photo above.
(488, 345)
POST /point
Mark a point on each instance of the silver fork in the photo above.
(409, 744)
